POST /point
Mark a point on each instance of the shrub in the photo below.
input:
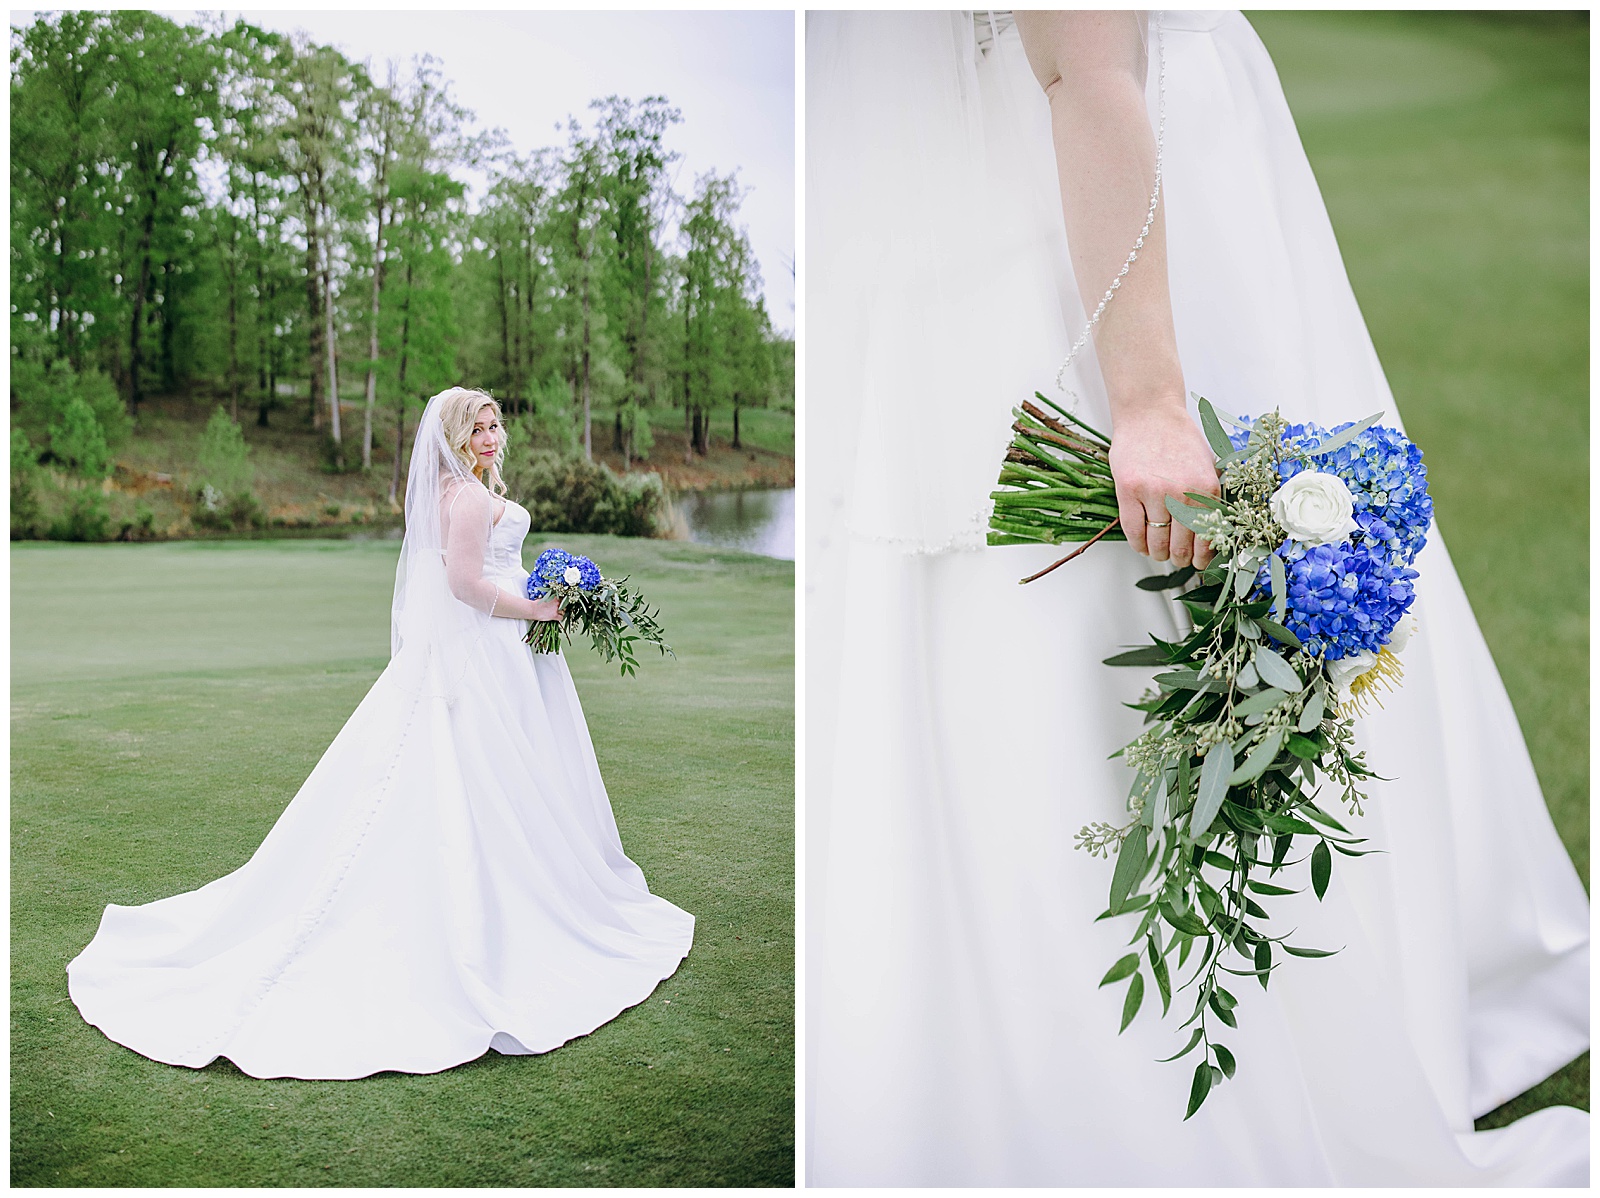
(78, 441)
(43, 394)
(224, 458)
(85, 519)
(25, 513)
(573, 494)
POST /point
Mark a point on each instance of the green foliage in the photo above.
(75, 415)
(550, 425)
(25, 513)
(78, 442)
(224, 458)
(573, 494)
(86, 518)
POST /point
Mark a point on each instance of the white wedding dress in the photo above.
(448, 880)
(959, 725)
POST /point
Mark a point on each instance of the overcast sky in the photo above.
(730, 73)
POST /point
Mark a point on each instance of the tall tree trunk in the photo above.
(505, 319)
(588, 443)
(372, 346)
(688, 435)
(400, 389)
(736, 443)
(332, 356)
(140, 296)
(317, 347)
(233, 307)
(263, 310)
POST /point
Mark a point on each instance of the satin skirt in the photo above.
(960, 725)
(448, 880)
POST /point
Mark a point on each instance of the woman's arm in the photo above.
(469, 518)
(1092, 66)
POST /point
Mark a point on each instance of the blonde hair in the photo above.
(458, 411)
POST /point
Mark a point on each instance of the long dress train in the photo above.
(960, 724)
(449, 879)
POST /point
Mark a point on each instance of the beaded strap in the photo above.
(1150, 215)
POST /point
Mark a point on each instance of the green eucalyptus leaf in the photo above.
(1278, 632)
(1121, 969)
(1131, 861)
(1183, 513)
(1242, 582)
(1287, 824)
(1349, 435)
(1166, 582)
(1224, 1059)
(1259, 703)
(1214, 776)
(1200, 1088)
(1321, 868)
(1158, 968)
(1184, 920)
(1216, 437)
(1304, 747)
(1223, 863)
(1259, 759)
(1310, 952)
(1312, 811)
(1248, 628)
(1263, 958)
(1194, 1039)
(1311, 716)
(1150, 655)
(1280, 586)
(1130, 1005)
(1276, 672)
(1268, 888)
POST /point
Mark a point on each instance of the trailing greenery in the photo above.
(155, 740)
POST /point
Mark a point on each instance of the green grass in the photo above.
(167, 702)
(1452, 151)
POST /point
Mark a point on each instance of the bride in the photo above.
(960, 725)
(449, 879)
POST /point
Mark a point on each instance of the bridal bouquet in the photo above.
(1297, 624)
(612, 615)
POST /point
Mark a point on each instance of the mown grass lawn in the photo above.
(1453, 152)
(167, 702)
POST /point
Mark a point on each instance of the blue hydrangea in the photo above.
(1342, 598)
(589, 571)
(551, 565)
(1388, 482)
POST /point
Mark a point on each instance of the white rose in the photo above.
(1315, 508)
(1346, 670)
(572, 576)
(1401, 634)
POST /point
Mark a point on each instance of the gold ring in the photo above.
(1158, 523)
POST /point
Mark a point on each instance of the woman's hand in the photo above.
(546, 609)
(1156, 451)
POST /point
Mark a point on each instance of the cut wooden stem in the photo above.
(1073, 554)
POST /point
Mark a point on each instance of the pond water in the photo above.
(757, 521)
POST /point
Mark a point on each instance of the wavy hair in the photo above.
(458, 411)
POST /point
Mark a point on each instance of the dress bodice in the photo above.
(503, 557)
